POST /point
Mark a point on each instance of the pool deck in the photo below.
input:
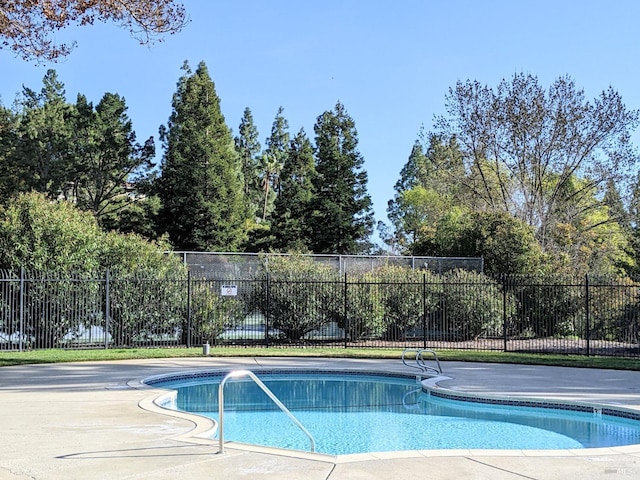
(96, 421)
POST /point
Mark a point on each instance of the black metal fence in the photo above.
(457, 310)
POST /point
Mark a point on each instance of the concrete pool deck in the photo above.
(87, 421)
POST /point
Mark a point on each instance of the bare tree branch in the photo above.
(26, 26)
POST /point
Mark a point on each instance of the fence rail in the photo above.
(586, 316)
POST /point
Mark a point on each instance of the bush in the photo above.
(299, 290)
(211, 313)
(473, 305)
(44, 236)
(614, 309)
(364, 313)
(54, 240)
(407, 296)
(548, 305)
(148, 290)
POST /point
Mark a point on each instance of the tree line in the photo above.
(534, 180)
(212, 192)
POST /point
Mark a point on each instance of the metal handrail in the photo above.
(265, 389)
(421, 362)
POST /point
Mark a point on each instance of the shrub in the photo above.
(364, 313)
(614, 309)
(211, 313)
(473, 305)
(407, 296)
(548, 305)
(298, 291)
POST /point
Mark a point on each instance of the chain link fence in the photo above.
(245, 265)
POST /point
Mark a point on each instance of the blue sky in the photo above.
(390, 63)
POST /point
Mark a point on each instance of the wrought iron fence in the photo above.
(455, 310)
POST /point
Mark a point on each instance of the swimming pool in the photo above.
(356, 412)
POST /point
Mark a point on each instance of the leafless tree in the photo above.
(26, 26)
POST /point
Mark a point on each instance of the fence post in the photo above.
(346, 312)
(587, 313)
(21, 333)
(504, 310)
(424, 310)
(107, 306)
(189, 329)
(268, 309)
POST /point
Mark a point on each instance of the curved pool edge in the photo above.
(205, 427)
(431, 386)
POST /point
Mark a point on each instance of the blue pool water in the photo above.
(373, 413)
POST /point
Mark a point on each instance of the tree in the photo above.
(139, 216)
(613, 201)
(26, 26)
(43, 235)
(523, 145)
(55, 240)
(248, 148)
(404, 231)
(10, 176)
(107, 160)
(289, 224)
(201, 185)
(506, 243)
(342, 219)
(270, 168)
(586, 238)
(272, 161)
(44, 134)
(425, 194)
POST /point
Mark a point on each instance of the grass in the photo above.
(59, 356)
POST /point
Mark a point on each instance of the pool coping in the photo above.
(204, 427)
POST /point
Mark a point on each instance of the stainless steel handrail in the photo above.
(265, 389)
(420, 361)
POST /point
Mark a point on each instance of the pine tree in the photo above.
(613, 201)
(342, 219)
(10, 175)
(289, 226)
(201, 186)
(45, 132)
(424, 194)
(272, 162)
(107, 160)
(398, 237)
(248, 148)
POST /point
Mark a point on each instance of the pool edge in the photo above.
(204, 426)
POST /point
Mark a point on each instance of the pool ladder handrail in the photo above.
(265, 389)
(421, 363)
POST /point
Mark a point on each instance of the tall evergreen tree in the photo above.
(10, 178)
(613, 200)
(424, 194)
(107, 160)
(289, 226)
(201, 186)
(272, 162)
(248, 148)
(403, 233)
(342, 219)
(42, 154)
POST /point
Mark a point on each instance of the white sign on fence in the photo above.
(229, 290)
